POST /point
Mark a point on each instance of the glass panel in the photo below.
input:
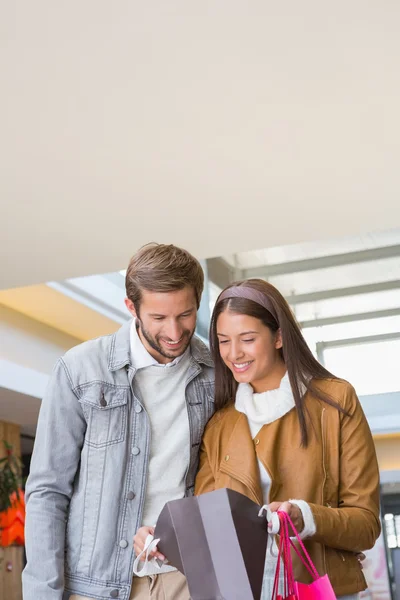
(370, 368)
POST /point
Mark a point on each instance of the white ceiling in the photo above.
(220, 126)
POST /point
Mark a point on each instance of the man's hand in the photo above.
(292, 510)
(139, 541)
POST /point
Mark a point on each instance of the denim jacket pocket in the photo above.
(105, 409)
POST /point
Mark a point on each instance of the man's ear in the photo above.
(131, 307)
(278, 339)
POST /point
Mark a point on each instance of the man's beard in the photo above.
(154, 343)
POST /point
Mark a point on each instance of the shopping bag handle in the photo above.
(284, 560)
(307, 562)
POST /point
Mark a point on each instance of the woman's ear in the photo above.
(278, 339)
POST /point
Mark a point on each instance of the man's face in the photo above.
(166, 322)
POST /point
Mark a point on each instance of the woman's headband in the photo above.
(241, 291)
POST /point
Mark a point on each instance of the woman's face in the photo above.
(250, 350)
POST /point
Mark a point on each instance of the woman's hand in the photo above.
(139, 542)
(292, 510)
(360, 557)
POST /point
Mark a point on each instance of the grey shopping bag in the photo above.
(218, 541)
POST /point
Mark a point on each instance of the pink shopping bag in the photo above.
(319, 589)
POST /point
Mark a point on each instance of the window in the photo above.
(370, 368)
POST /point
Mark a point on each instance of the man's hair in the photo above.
(162, 268)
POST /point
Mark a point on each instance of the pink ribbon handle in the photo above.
(306, 559)
(284, 552)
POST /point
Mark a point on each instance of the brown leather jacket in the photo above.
(337, 474)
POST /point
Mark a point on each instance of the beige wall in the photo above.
(388, 451)
(59, 313)
(29, 343)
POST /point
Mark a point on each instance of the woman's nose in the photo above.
(236, 352)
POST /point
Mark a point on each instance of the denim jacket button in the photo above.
(131, 495)
(114, 594)
(138, 408)
(103, 402)
(135, 450)
(123, 544)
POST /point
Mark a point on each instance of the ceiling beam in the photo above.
(376, 314)
(367, 339)
(368, 288)
(322, 262)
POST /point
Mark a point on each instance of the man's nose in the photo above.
(174, 331)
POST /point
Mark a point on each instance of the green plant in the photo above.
(10, 477)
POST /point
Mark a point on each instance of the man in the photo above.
(118, 436)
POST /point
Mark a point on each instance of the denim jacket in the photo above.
(87, 484)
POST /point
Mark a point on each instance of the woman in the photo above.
(289, 434)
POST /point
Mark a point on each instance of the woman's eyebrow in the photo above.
(242, 333)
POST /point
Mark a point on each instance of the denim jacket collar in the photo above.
(119, 355)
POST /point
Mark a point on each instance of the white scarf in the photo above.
(265, 407)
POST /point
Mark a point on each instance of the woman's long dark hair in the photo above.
(302, 367)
